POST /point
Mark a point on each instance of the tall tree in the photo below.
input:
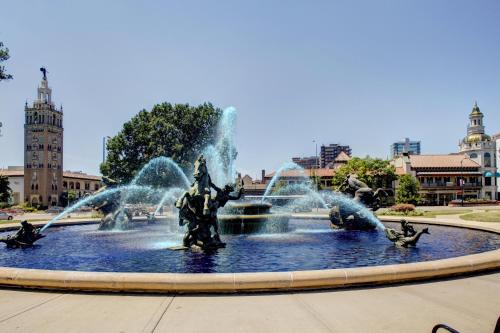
(177, 131)
(5, 190)
(408, 190)
(4, 55)
(375, 172)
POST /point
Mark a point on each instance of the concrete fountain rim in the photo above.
(173, 283)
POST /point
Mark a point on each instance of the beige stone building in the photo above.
(79, 182)
(481, 148)
(441, 176)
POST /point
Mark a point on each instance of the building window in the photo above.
(473, 155)
(87, 186)
(77, 186)
(487, 181)
(65, 185)
(487, 160)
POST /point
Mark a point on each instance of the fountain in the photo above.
(223, 232)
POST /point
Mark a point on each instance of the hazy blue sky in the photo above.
(363, 73)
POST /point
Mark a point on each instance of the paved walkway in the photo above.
(469, 304)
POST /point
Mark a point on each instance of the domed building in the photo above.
(479, 147)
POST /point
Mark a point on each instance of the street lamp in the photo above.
(104, 147)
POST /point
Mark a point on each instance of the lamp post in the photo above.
(104, 147)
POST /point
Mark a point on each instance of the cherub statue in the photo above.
(220, 200)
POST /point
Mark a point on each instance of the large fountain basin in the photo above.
(253, 281)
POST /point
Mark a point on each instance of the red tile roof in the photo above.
(66, 174)
(322, 172)
(342, 157)
(80, 175)
(442, 161)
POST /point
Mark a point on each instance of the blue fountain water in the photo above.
(350, 205)
(96, 198)
(306, 189)
(151, 172)
(156, 172)
(170, 195)
(285, 167)
(222, 155)
(309, 244)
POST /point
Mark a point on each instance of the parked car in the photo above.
(5, 216)
(54, 210)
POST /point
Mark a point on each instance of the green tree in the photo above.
(5, 190)
(177, 131)
(67, 198)
(375, 172)
(408, 190)
(4, 55)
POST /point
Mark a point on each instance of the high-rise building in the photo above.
(329, 153)
(43, 148)
(306, 162)
(480, 148)
(406, 146)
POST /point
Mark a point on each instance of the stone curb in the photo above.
(250, 282)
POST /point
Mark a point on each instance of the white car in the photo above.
(54, 210)
(5, 216)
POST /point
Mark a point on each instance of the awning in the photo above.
(488, 174)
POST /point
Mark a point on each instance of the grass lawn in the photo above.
(488, 216)
(428, 213)
(433, 213)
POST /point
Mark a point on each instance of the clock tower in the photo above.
(43, 148)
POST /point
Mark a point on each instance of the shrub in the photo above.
(403, 208)
(408, 190)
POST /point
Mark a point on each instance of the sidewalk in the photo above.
(469, 304)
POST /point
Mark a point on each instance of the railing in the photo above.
(449, 185)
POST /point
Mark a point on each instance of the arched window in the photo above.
(77, 186)
(473, 155)
(487, 160)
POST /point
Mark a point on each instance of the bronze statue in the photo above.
(351, 218)
(408, 236)
(361, 192)
(198, 210)
(44, 71)
(25, 237)
(110, 208)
